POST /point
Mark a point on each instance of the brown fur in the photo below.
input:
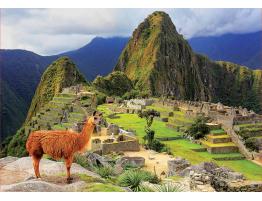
(59, 144)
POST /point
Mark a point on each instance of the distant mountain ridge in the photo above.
(243, 49)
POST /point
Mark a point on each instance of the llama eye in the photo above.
(95, 118)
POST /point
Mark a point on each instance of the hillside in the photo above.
(21, 72)
(60, 74)
(161, 62)
(49, 104)
(244, 49)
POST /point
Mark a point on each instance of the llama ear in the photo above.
(94, 113)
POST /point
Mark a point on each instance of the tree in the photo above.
(199, 128)
(149, 115)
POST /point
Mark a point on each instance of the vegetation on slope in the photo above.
(60, 74)
(160, 62)
(116, 83)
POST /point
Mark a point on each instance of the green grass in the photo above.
(132, 121)
(183, 147)
(100, 187)
(227, 144)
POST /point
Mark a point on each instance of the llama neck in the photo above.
(85, 134)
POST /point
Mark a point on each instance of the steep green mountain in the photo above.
(161, 62)
(60, 74)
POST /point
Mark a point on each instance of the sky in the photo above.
(53, 31)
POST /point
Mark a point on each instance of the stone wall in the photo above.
(130, 145)
(236, 139)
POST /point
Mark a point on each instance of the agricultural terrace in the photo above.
(180, 147)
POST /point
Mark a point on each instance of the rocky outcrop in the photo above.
(177, 165)
(207, 176)
(17, 174)
(97, 160)
(6, 160)
(47, 167)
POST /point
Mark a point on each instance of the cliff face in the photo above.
(158, 60)
(60, 74)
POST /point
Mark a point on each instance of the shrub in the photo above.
(252, 144)
(114, 84)
(199, 128)
(130, 94)
(105, 171)
(100, 98)
(156, 145)
(134, 178)
(167, 187)
(16, 146)
(81, 160)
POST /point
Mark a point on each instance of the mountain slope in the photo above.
(21, 72)
(243, 49)
(159, 61)
(11, 118)
(60, 74)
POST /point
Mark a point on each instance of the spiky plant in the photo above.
(134, 178)
(105, 171)
(166, 187)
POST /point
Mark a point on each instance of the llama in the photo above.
(60, 143)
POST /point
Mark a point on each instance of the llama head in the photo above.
(95, 118)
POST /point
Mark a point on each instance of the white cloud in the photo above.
(51, 31)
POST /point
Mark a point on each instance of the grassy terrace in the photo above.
(182, 147)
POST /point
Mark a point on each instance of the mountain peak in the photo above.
(60, 74)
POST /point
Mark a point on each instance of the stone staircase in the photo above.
(218, 142)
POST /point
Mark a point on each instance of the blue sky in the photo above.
(52, 31)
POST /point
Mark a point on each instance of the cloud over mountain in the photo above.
(50, 31)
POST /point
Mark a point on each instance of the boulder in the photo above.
(36, 185)
(205, 167)
(32, 186)
(133, 161)
(95, 159)
(6, 160)
(113, 128)
(47, 167)
(175, 166)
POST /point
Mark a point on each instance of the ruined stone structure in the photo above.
(138, 104)
(113, 139)
(226, 116)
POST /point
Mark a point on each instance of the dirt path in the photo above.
(153, 161)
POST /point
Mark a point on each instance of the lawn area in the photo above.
(183, 147)
(132, 121)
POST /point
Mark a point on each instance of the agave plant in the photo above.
(105, 171)
(166, 187)
(134, 178)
